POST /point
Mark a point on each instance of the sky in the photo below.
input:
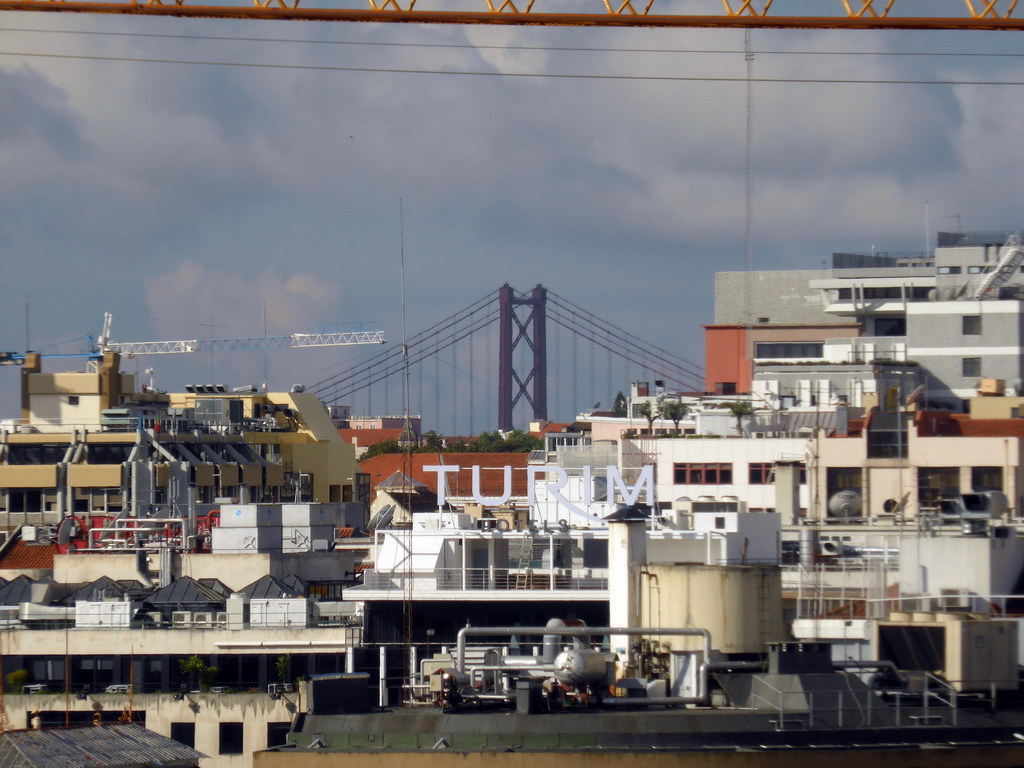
(199, 199)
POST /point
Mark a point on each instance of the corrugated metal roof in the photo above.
(185, 591)
(122, 745)
(17, 591)
(104, 588)
(268, 588)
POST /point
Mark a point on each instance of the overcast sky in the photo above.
(215, 201)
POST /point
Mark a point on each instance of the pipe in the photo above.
(551, 641)
(872, 664)
(460, 657)
(702, 687)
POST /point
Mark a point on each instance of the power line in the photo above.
(547, 48)
(542, 75)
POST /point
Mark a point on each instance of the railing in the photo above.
(968, 602)
(481, 579)
(934, 706)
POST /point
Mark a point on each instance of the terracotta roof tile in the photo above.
(367, 437)
(459, 485)
(25, 555)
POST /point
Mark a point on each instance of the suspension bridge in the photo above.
(505, 359)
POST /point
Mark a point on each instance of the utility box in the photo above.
(992, 387)
(971, 652)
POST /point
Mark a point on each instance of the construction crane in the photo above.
(325, 337)
(735, 14)
(319, 338)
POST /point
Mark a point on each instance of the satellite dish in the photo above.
(845, 504)
(65, 531)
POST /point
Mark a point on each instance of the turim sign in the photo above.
(629, 494)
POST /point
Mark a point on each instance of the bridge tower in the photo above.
(522, 320)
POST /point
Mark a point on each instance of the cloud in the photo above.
(196, 292)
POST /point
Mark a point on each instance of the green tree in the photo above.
(741, 408)
(433, 442)
(17, 680)
(620, 408)
(675, 411)
(194, 667)
(207, 676)
(649, 411)
(283, 667)
(384, 446)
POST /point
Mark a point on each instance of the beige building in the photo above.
(89, 444)
(900, 465)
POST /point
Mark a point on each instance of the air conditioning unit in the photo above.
(203, 620)
(222, 619)
(954, 599)
(181, 619)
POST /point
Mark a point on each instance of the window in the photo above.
(986, 478)
(934, 483)
(184, 733)
(72, 399)
(890, 326)
(844, 294)
(949, 270)
(231, 738)
(277, 734)
(972, 325)
(972, 367)
(761, 473)
(798, 350)
(842, 479)
(887, 435)
(702, 474)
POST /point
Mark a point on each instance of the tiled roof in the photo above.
(367, 437)
(26, 555)
(553, 426)
(460, 485)
(942, 424)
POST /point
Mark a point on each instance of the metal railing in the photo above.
(936, 705)
(473, 579)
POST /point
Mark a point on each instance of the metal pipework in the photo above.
(460, 656)
(878, 664)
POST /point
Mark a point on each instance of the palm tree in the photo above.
(674, 410)
(649, 411)
(739, 409)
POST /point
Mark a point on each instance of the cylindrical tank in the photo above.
(579, 666)
(808, 546)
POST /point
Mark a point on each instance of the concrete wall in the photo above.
(739, 453)
(895, 479)
(962, 757)
(935, 339)
(206, 710)
(236, 570)
(988, 566)
(783, 297)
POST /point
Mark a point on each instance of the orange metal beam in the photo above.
(739, 14)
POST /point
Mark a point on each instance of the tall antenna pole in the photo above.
(407, 439)
(748, 260)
